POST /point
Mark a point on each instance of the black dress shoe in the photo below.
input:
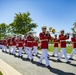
(18, 56)
(5, 51)
(40, 64)
(71, 59)
(53, 55)
(36, 55)
(31, 60)
(59, 60)
(14, 55)
(2, 50)
(48, 57)
(68, 62)
(25, 53)
(27, 59)
(32, 54)
(10, 53)
(48, 67)
(21, 56)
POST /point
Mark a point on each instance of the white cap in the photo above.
(43, 27)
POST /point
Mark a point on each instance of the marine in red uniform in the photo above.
(14, 43)
(5, 44)
(62, 39)
(0, 43)
(56, 41)
(44, 38)
(35, 46)
(30, 39)
(20, 42)
(25, 45)
(73, 39)
(9, 41)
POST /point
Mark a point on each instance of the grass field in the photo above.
(68, 49)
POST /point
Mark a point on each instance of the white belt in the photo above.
(62, 41)
(55, 42)
(20, 42)
(29, 41)
(73, 42)
(44, 40)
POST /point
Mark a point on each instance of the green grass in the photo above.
(1, 73)
(68, 49)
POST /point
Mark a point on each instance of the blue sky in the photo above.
(59, 14)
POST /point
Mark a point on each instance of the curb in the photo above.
(7, 69)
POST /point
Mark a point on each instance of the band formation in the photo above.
(30, 45)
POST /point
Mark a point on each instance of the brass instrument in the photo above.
(52, 30)
(11, 42)
(36, 38)
(74, 34)
(47, 33)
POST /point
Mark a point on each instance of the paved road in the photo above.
(27, 68)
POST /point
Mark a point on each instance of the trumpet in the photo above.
(47, 33)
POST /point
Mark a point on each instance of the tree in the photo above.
(74, 27)
(3, 29)
(22, 24)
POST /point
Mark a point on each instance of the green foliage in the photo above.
(74, 27)
(3, 30)
(22, 24)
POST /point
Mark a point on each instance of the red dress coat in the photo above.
(9, 41)
(56, 41)
(25, 42)
(14, 41)
(35, 43)
(29, 41)
(5, 42)
(73, 42)
(20, 42)
(44, 40)
(62, 39)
